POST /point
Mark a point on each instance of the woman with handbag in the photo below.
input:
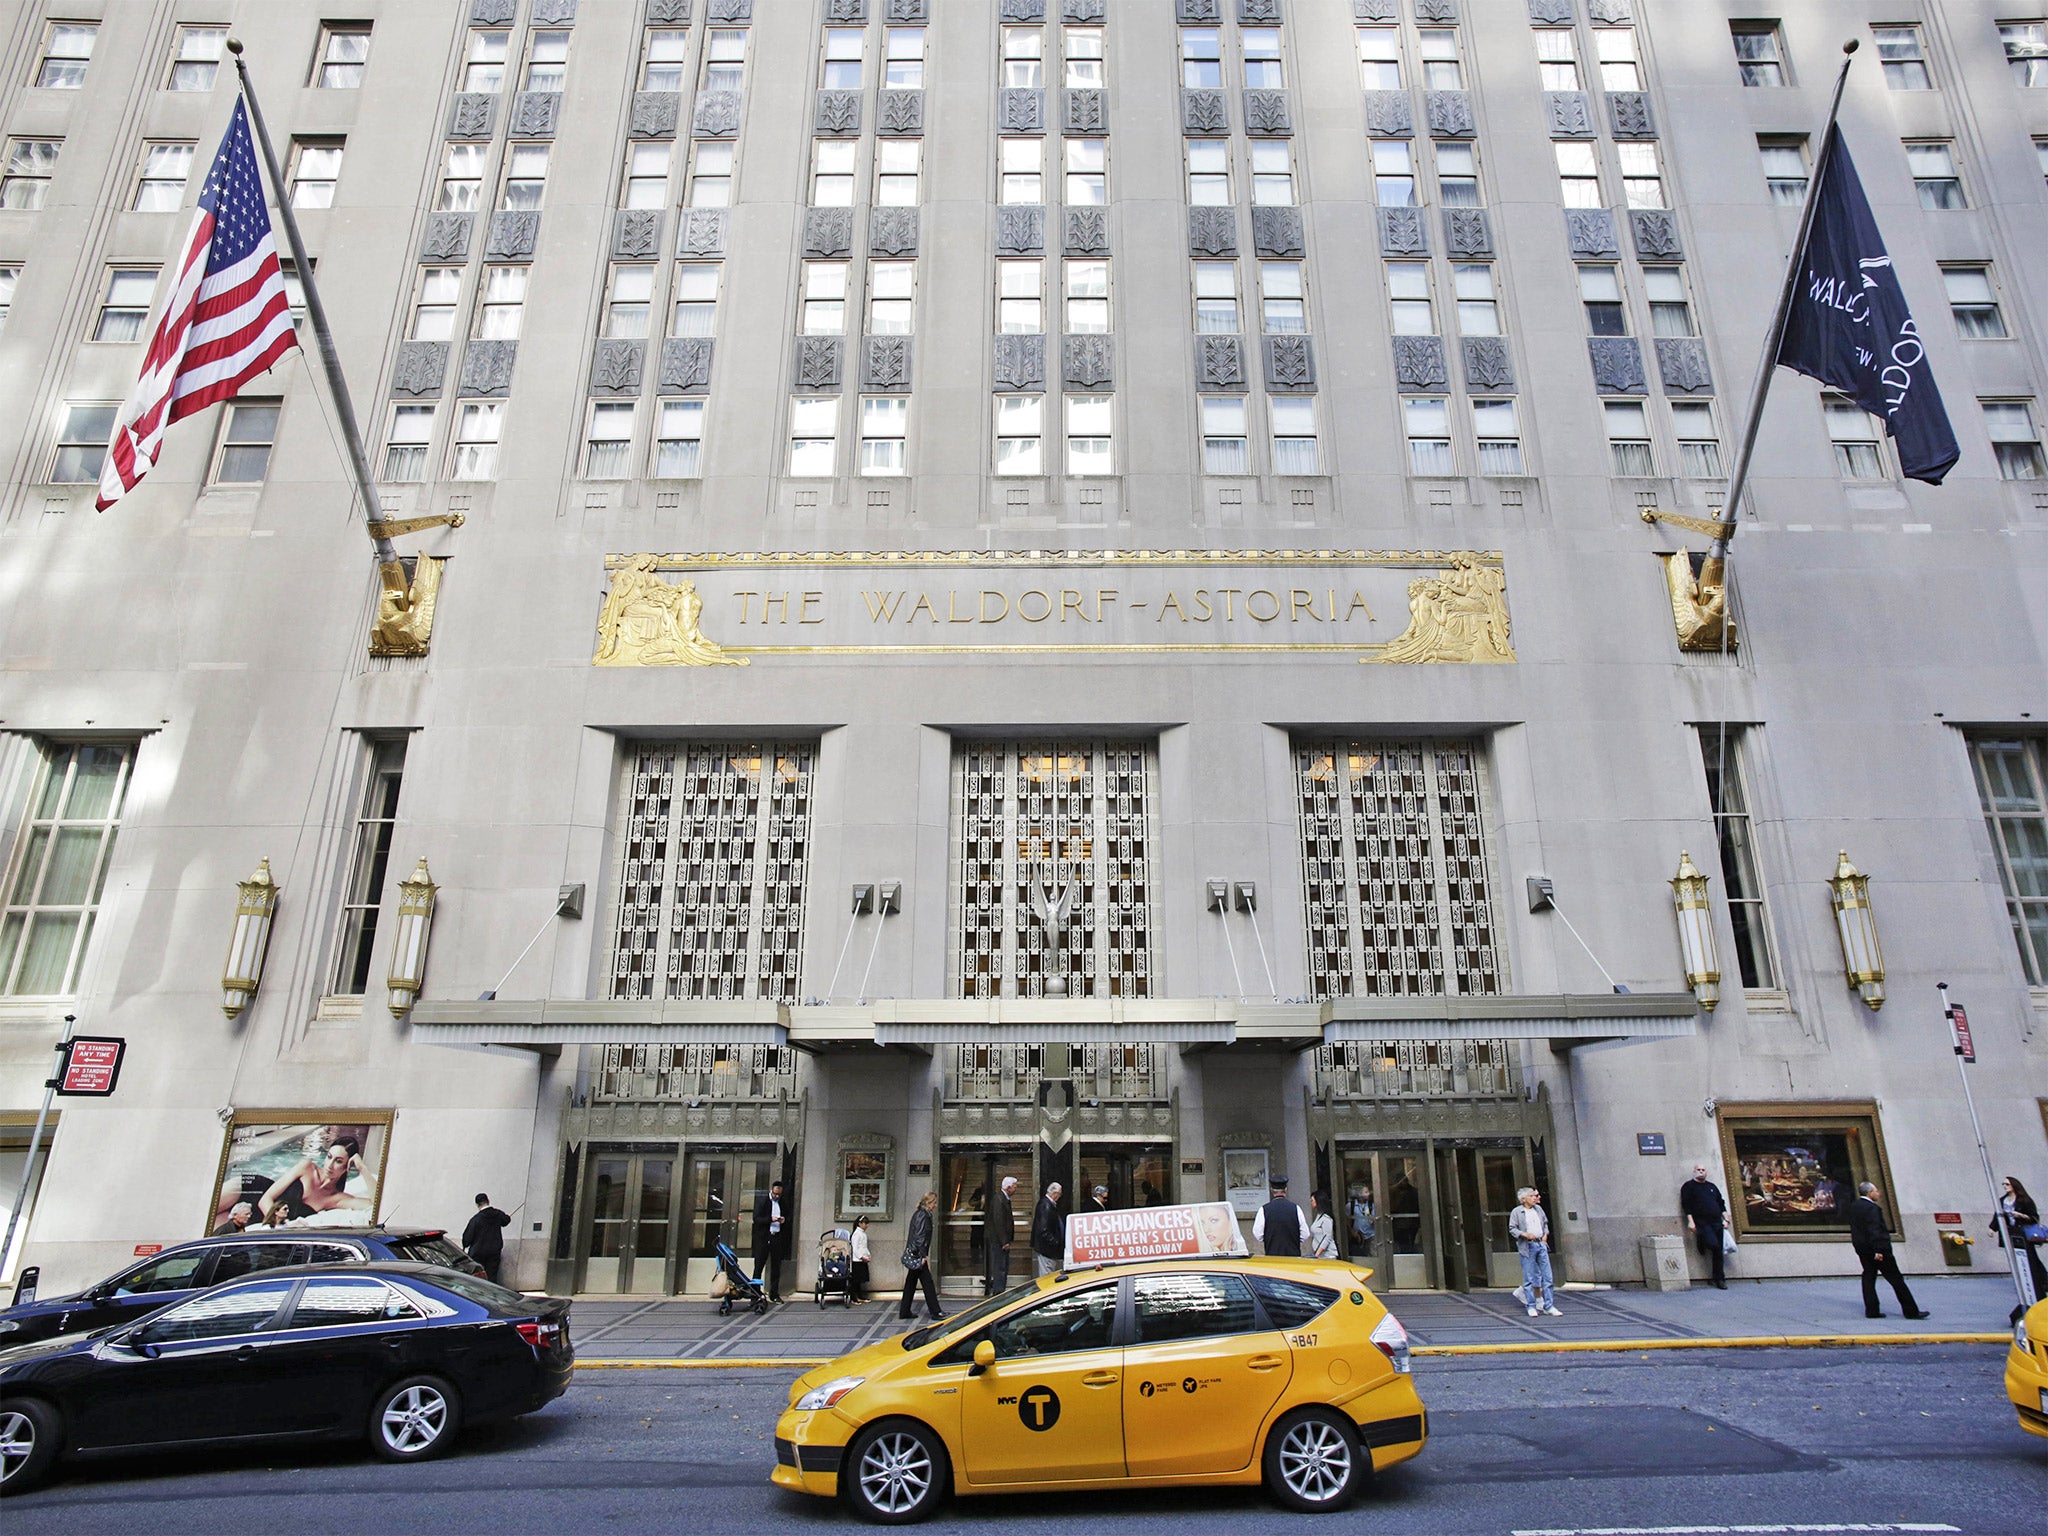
(917, 1260)
(2019, 1221)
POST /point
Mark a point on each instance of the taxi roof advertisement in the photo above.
(1154, 1232)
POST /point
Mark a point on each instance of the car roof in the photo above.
(313, 1234)
(1255, 1263)
(401, 1268)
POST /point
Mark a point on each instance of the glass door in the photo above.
(723, 1183)
(1498, 1177)
(631, 1216)
(1135, 1174)
(970, 1176)
(1381, 1216)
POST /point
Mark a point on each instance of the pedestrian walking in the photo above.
(1705, 1211)
(999, 1231)
(1530, 1228)
(771, 1237)
(1049, 1232)
(1279, 1223)
(1322, 1226)
(1871, 1237)
(2016, 1213)
(857, 1281)
(917, 1261)
(484, 1238)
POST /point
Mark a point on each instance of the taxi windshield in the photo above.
(967, 1319)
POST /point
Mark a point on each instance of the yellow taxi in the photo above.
(1287, 1372)
(2026, 1369)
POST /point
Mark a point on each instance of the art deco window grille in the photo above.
(1134, 1071)
(1397, 890)
(1394, 1069)
(693, 1071)
(714, 847)
(1053, 852)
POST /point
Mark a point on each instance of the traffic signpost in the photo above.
(1966, 1055)
(88, 1066)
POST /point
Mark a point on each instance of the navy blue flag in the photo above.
(1849, 326)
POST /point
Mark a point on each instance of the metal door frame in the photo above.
(635, 1153)
(1442, 1205)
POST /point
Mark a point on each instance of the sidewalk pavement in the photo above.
(1778, 1311)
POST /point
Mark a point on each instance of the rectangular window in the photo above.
(1021, 164)
(608, 450)
(1020, 434)
(65, 53)
(483, 63)
(1784, 162)
(1226, 450)
(1642, 177)
(1087, 179)
(678, 447)
(1429, 436)
(195, 58)
(1628, 438)
(1023, 57)
(629, 304)
(1615, 47)
(1087, 297)
(245, 443)
(1933, 163)
(82, 444)
(1721, 749)
(1441, 70)
(824, 298)
(2026, 51)
(1393, 173)
(1904, 56)
(1216, 296)
(884, 428)
(499, 316)
(1209, 173)
(832, 163)
(892, 294)
(1201, 59)
(1670, 307)
(2041, 157)
(294, 290)
(342, 55)
(405, 449)
(1457, 174)
(1282, 304)
(462, 178)
(896, 169)
(547, 62)
(1396, 873)
(1272, 173)
(1500, 437)
(315, 168)
(9, 277)
(1020, 303)
(1294, 434)
(1083, 49)
(1263, 68)
(1854, 434)
(1089, 449)
(813, 435)
(661, 67)
(1408, 289)
(903, 67)
(476, 440)
(710, 175)
(1578, 173)
(1972, 302)
(126, 304)
(1699, 444)
(2012, 787)
(433, 312)
(369, 865)
(30, 165)
(526, 177)
(1557, 59)
(160, 188)
(646, 177)
(1759, 52)
(1379, 58)
(2014, 438)
(58, 869)
(1478, 308)
(725, 60)
(842, 65)
(1600, 291)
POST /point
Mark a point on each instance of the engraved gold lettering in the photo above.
(1357, 605)
(1071, 599)
(1044, 614)
(882, 605)
(1172, 602)
(923, 601)
(953, 614)
(743, 596)
(1272, 597)
(803, 610)
(1298, 599)
(1002, 612)
(1203, 611)
(774, 600)
(1229, 596)
(1103, 595)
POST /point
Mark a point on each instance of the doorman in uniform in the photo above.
(1279, 1225)
(771, 1237)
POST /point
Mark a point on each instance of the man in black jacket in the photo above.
(1049, 1232)
(1700, 1198)
(1278, 1224)
(771, 1237)
(999, 1231)
(484, 1238)
(1872, 1238)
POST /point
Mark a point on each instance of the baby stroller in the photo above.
(835, 1267)
(739, 1285)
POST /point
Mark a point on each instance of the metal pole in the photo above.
(2022, 1281)
(316, 316)
(35, 1141)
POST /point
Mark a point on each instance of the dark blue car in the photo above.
(191, 1267)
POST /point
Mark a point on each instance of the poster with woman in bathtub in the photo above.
(277, 1173)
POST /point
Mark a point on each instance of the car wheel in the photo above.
(414, 1420)
(28, 1443)
(1314, 1461)
(894, 1472)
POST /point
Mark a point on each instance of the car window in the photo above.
(333, 1303)
(427, 1250)
(330, 1253)
(218, 1314)
(1192, 1307)
(172, 1272)
(239, 1259)
(470, 1288)
(1078, 1320)
(1289, 1303)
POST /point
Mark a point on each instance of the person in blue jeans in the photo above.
(1530, 1229)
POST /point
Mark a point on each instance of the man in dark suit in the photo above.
(1700, 1198)
(1048, 1232)
(771, 1237)
(1872, 1238)
(999, 1230)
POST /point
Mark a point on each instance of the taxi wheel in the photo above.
(1314, 1461)
(29, 1431)
(895, 1472)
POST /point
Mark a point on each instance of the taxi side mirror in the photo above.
(984, 1357)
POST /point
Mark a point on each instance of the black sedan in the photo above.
(403, 1354)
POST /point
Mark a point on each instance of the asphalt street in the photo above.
(1867, 1438)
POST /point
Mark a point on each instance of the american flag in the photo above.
(228, 318)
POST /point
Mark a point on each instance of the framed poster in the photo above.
(1795, 1167)
(1245, 1174)
(864, 1186)
(299, 1168)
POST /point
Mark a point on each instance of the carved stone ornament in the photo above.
(1020, 362)
(1436, 10)
(1570, 114)
(648, 622)
(1468, 232)
(1276, 231)
(554, 13)
(1020, 110)
(1087, 362)
(1268, 114)
(828, 231)
(846, 10)
(421, 368)
(885, 362)
(1617, 365)
(1655, 231)
(1212, 231)
(472, 115)
(1252, 12)
(1020, 230)
(1458, 615)
(446, 237)
(1551, 13)
(534, 114)
(838, 114)
(892, 232)
(1086, 111)
(513, 233)
(1682, 364)
(664, 13)
(1389, 115)
(905, 10)
(1083, 13)
(1374, 10)
(637, 232)
(1449, 114)
(654, 114)
(1591, 232)
(816, 365)
(1402, 232)
(1290, 365)
(731, 10)
(899, 112)
(1611, 13)
(618, 366)
(717, 115)
(685, 365)
(487, 367)
(1628, 115)
(404, 625)
(1203, 112)
(492, 13)
(1024, 10)
(1699, 606)
(703, 232)
(1219, 362)
(1086, 232)
(1197, 11)
(1487, 364)
(1419, 363)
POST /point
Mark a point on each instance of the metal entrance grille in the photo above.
(692, 1071)
(1398, 1069)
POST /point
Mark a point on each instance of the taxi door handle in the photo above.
(1265, 1362)
(1099, 1379)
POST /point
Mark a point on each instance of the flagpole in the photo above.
(1775, 337)
(316, 315)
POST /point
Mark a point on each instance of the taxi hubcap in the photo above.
(415, 1418)
(895, 1472)
(1314, 1460)
(17, 1443)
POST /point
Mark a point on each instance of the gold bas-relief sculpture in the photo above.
(1461, 615)
(1699, 605)
(405, 613)
(646, 622)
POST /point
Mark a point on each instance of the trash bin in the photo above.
(1664, 1266)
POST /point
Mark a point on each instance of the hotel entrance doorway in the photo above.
(1432, 1215)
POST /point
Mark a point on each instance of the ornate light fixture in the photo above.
(1856, 925)
(254, 913)
(409, 945)
(1696, 933)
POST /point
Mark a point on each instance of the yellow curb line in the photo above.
(736, 1363)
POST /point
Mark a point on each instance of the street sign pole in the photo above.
(1966, 1052)
(35, 1141)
